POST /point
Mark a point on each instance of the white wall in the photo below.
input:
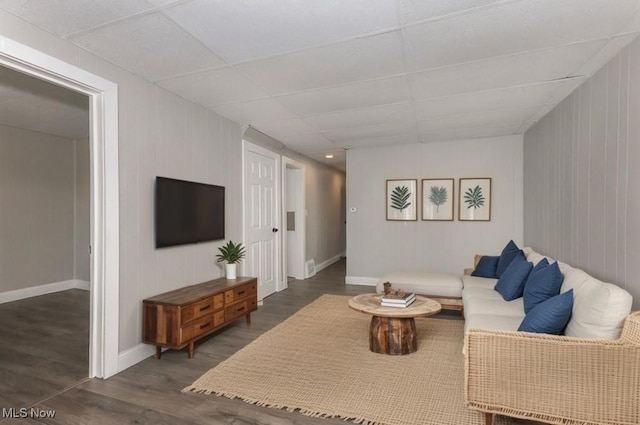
(376, 246)
(36, 209)
(582, 180)
(159, 134)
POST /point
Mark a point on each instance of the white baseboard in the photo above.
(83, 284)
(134, 355)
(49, 288)
(329, 262)
(361, 280)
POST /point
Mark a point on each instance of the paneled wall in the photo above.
(36, 209)
(376, 246)
(582, 180)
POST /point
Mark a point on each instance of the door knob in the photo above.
(274, 230)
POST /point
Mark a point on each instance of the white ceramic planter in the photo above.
(231, 271)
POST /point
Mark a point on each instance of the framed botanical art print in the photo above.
(475, 199)
(401, 200)
(437, 199)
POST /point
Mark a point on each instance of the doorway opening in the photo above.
(294, 218)
(44, 217)
(104, 181)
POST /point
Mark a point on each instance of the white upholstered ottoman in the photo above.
(444, 288)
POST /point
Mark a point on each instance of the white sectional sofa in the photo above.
(590, 375)
(599, 308)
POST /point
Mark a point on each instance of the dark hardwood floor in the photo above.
(45, 346)
(149, 392)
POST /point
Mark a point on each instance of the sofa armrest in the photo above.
(555, 379)
(470, 270)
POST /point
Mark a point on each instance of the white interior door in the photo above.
(262, 226)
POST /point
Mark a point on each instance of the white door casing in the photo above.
(261, 199)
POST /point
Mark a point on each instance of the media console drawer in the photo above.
(178, 318)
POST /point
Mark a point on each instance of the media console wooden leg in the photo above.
(158, 352)
(248, 316)
(190, 349)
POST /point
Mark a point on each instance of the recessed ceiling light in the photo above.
(328, 156)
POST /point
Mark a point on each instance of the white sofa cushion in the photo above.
(475, 281)
(480, 292)
(491, 321)
(599, 308)
(494, 307)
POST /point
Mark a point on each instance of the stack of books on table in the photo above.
(399, 302)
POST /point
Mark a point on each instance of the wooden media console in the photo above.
(179, 318)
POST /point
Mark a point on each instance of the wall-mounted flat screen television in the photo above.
(187, 212)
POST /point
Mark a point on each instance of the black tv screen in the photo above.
(188, 212)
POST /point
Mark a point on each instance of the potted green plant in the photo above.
(232, 254)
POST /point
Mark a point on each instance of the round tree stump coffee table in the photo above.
(393, 330)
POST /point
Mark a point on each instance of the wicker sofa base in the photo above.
(555, 379)
(590, 378)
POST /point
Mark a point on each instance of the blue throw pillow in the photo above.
(550, 316)
(486, 266)
(508, 253)
(541, 265)
(542, 284)
(511, 283)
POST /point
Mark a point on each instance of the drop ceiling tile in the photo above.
(399, 139)
(67, 17)
(214, 87)
(318, 147)
(240, 30)
(150, 46)
(468, 133)
(519, 69)
(308, 140)
(252, 111)
(633, 25)
(604, 55)
(283, 129)
(368, 132)
(400, 112)
(524, 25)
(355, 60)
(493, 118)
(349, 96)
(163, 2)
(419, 10)
(473, 102)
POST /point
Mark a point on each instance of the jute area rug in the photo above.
(318, 363)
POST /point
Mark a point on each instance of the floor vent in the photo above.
(310, 268)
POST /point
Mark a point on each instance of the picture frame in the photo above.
(438, 196)
(474, 203)
(401, 200)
